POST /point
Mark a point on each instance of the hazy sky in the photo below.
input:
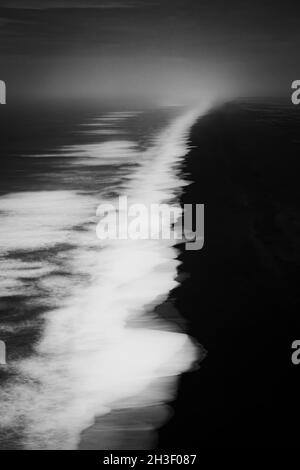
(162, 50)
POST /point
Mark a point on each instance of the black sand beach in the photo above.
(240, 295)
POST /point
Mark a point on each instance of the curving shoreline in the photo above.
(239, 293)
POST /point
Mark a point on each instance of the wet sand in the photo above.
(239, 293)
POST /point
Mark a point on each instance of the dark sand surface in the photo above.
(240, 299)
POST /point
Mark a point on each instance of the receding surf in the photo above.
(105, 366)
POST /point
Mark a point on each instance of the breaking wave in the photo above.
(102, 349)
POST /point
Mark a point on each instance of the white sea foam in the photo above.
(100, 126)
(38, 220)
(41, 219)
(103, 153)
(99, 350)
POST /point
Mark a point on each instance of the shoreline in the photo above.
(132, 420)
(233, 292)
(238, 294)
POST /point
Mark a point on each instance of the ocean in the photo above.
(89, 365)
